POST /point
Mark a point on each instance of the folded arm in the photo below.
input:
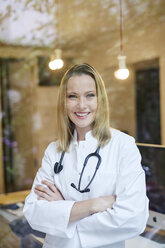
(43, 213)
(80, 209)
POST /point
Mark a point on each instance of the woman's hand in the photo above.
(49, 192)
(88, 207)
(101, 204)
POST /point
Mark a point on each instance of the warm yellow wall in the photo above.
(162, 97)
(46, 98)
(121, 95)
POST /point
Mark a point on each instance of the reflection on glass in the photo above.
(153, 162)
(17, 128)
(148, 106)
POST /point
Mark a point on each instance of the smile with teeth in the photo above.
(82, 114)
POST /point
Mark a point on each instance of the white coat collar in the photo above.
(89, 140)
(88, 136)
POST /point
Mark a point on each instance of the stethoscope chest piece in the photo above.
(57, 168)
(58, 165)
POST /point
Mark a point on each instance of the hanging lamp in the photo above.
(56, 61)
(122, 73)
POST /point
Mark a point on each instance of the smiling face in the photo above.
(81, 102)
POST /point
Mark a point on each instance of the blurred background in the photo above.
(84, 31)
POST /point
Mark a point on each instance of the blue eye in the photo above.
(72, 96)
(90, 95)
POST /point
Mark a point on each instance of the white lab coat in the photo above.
(120, 174)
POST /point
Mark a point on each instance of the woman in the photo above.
(90, 190)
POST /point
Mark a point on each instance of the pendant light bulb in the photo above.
(56, 61)
(122, 73)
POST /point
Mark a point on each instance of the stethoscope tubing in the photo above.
(95, 154)
(58, 167)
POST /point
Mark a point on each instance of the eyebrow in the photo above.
(87, 92)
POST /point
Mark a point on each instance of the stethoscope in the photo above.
(58, 168)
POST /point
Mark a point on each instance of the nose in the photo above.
(82, 103)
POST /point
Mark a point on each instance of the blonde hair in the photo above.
(65, 127)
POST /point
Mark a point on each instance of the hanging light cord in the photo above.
(57, 24)
(122, 72)
(121, 29)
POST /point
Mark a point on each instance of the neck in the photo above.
(81, 133)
